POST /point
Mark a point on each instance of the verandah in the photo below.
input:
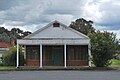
(56, 55)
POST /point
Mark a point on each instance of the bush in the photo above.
(103, 45)
(9, 57)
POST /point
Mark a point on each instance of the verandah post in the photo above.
(89, 54)
(40, 55)
(65, 55)
(17, 56)
(25, 52)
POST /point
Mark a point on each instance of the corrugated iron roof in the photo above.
(4, 45)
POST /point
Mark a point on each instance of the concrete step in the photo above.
(54, 67)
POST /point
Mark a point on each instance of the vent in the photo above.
(56, 24)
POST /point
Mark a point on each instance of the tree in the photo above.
(26, 33)
(17, 33)
(83, 26)
(14, 34)
(9, 57)
(3, 30)
(103, 45)
(4, 38)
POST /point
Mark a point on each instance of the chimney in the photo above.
(12, 43)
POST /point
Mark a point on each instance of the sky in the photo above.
(31, 15)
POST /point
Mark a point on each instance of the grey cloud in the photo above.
(105, 13)
(6, 4)
(27, 11)
(72, 7)
(111, 17)
(37, 13)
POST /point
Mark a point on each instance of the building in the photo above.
(55, 45)
(5, 47)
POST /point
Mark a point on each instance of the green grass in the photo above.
(115, 63)
(7, 67)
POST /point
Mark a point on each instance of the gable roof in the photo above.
(4, 45)
(62, 25)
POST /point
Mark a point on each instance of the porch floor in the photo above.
(54, 68)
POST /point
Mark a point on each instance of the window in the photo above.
(33, 52)
(56, 24)
(77, 52)
(47, 52)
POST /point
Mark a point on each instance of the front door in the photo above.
(57, 56)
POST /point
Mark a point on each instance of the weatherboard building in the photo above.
(55, 45)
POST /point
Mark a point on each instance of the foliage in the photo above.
(9, 57)
(19, 33)
(103, 45)
(2, 30)
(4, 38)
(83, 26)
(14, 34)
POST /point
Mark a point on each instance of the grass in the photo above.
(7, 67)
(115, 64)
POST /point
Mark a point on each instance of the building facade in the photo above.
(55, 45)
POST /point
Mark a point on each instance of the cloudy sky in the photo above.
(34, 14)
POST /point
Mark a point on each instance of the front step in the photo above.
(53, 68)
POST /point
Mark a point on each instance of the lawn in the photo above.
(115, 63)
(7, 67)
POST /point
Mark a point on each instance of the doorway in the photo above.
(58, 55)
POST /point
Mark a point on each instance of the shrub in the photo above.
(103, 45)
(9, 57)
